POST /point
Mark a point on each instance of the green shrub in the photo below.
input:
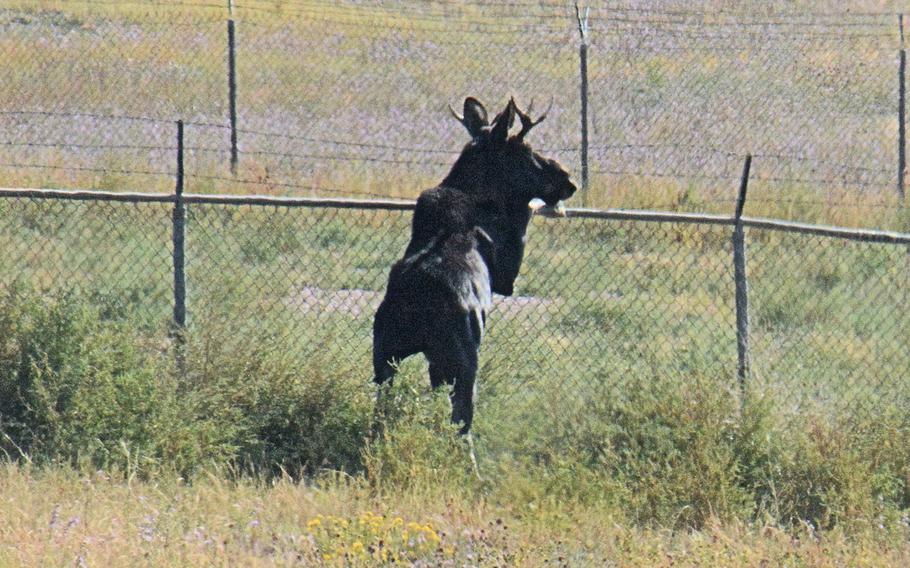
(76, 388)
(42, 359)
(833, 473)
(81, 384)
(416, 445)
(293, 413)
(671, 442)
(79, 388)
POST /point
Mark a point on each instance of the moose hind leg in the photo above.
(385, 371)
(461, 377)
(441, 373)
(394, 338)
(463, 397)
(453, 361)
(384, 367)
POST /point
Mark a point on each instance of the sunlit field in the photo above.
(351, 100)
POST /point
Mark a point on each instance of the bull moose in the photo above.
(467, 242)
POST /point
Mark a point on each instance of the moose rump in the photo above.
(436, 304)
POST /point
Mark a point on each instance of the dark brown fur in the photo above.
(467, 242)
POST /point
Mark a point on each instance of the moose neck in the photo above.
(484, 178)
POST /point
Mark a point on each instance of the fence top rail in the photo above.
(260, 200)
(865, 235)
(85, 195)
(312, 202)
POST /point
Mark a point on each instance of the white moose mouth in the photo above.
(539, 207)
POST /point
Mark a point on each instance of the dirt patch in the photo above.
(354, 302)
(511, 306)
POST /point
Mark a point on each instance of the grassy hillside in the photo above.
(351, 99)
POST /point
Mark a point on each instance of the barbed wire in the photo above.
(99, 170)
(285, 185)
(639, 44)
(695, 34)
(840, 202)
(638, 101)
(369, 145)
(77, 114)
(344, 158)
(842, 168)
(808, 13)
(430, 39)
(806, 159)
(77, 146)
(450, 22)
(506, 11)
(170, 4)
(704, 20)
(442, 26)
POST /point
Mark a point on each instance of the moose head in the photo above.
(495, 162)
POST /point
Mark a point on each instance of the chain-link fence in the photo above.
(604, 300)
(320, 99)
(315, 98)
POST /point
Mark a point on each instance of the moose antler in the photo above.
(526, 122)
(457, 116)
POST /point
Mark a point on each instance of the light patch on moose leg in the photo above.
(469, 440)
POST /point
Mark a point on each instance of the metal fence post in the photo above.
(742, 284)
(232, 93)
(583, 69)
(901, 116)
(179, 238)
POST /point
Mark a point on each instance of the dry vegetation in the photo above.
(59, 517)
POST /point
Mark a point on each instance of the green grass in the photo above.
(619, 353)
(609, 417)
(610, 422)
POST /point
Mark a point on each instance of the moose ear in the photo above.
(475, 115)
(474, 119)
(503, 122)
